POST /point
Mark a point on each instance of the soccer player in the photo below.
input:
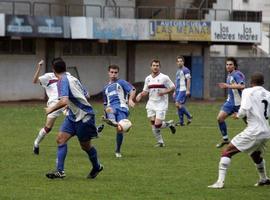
(235, 84)
(255, 108)
(118, 94)
(49, 82)
(182, 90)
(80, 121)
(157, 85)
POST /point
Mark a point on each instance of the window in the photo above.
(88, 47)
(18, 46)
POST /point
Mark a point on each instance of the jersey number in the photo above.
(265, 108)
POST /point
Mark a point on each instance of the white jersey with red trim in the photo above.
(49, 82)
(155, 85)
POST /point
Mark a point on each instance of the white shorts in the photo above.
(160, 114)
(245, 142)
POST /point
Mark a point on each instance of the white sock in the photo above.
(261, 170)
(164, 125)
(40, 137)
(224, 163)
(157, 134)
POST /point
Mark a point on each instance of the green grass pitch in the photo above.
(181, 170)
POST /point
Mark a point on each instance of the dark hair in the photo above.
(257, 78)
(59, 65)
(156, 61)
(180, 57)
(113, 67)
(232, 59)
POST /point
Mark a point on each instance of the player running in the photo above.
(157, 85)
(235, 84)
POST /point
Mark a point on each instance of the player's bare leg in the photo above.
(224, 164)
(223, 128)
(260, 165)
(42, 133)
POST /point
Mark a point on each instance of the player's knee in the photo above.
(60, 140)
(108, 110)
(256, 157)
(47, 130)
(158, 126)
(220, 119)
(85, 146)
(226, 153)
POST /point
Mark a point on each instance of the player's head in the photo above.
(155, 66)
(257, 79)
(231, 64)
(59, 65)
(180, 61)
(113, 71)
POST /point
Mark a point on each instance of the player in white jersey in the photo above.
(157, 86)
(256, 110)
(49, 82)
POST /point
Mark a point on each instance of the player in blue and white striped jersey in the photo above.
(80, 121)
(118, 95)
(182, 90)
(235, 84)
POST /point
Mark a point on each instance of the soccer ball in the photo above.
(124, 125)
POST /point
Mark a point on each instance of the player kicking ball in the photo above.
(118, 96)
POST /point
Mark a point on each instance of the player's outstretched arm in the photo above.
(38, 69)
(140, 95)
(60, 104)
(132, 95)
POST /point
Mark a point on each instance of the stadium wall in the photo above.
(16, 75)
(246, 65)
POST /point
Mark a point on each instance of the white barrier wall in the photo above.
(93, 69)
(16, 78)
(16, 74)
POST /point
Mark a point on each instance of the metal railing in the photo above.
(94, 10)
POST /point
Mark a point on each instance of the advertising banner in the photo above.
(180, 30)
(49, 26)
(120, 29)
(81, 27)
(2, 25)
(246, 32)
(38, 26)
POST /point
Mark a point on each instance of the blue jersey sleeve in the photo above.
(239, 77)
(126, 86)
(105, 100)
(63, 87)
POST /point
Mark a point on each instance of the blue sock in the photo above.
(61, 156)
(92, 154)
(223, 129)
(119, 141)
(185, 111)
(181, 115)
